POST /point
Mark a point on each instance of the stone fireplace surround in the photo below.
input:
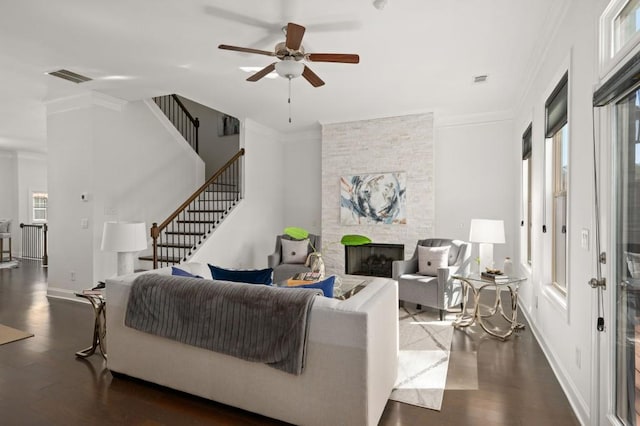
(393, 144)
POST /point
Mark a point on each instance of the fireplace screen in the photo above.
(372, 259)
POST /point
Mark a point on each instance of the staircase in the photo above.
(180, 235)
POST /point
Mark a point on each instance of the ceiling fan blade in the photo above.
(344, 58)
(246, 50)
(312, 77)
(295, 33)
(264, 71)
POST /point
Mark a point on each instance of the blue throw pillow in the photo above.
(253, 276)
(325, 285)
(182, 273)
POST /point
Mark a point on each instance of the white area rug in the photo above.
(10, 264)
(425, 344)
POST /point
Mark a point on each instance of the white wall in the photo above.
(565, 326)
(474, 179)
(9, 195)
(247, 236)
(32, 177)
(214, 150)
(302, 180)
(130, 161)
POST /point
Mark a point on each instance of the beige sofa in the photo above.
(350, 370)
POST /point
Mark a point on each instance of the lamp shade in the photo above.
(124, 236)
(289, 68)
(487, 231)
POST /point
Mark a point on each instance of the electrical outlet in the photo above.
(73, 275)
(578, 361)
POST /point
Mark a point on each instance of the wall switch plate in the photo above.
(84, 223)
(584, 239)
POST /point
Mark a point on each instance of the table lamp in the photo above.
(486, 232)
(125, 238)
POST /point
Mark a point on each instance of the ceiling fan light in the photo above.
(289, 68)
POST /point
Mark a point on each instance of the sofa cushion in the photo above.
(432, 258)
(196, 268)
(4, 226)
(294, 251)
(182, 273)
(252, 276)
(325, 285)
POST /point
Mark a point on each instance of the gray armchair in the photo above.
(283, 271)
(440, 292)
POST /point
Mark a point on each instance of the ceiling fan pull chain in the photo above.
(289, 100)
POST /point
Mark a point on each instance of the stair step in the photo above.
(161, 259)
(175, 245)
(183, 233)
(205, 211)
(195, 221)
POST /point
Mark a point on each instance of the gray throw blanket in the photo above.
(254, 322)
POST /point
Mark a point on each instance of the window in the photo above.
(39, 200)
(526, 195)
(626, 24)
(557, 134)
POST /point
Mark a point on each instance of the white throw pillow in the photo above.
(294, 251)
(432, 258)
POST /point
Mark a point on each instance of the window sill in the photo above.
(556, 298)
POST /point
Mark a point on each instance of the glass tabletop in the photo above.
(476, 278)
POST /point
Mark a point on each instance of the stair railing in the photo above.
(178, 114)
(180, 234)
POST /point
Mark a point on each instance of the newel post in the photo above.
(155, 233)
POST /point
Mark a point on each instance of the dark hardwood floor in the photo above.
(43, 383)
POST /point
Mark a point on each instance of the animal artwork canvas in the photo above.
(377, 198)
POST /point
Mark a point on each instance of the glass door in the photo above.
(626, 286)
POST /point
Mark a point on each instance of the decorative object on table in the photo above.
(423, 360)
(304, 278)
(125, 238)
(377, 198)
(494, 275)
(9, 334)
(486, 232)
(508, 266)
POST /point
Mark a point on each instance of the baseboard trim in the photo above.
(579, 406)
(62, 293)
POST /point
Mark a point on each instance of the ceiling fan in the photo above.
(291, 55)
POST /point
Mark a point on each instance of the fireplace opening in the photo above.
(372, 259)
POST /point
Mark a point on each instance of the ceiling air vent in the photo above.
(480, 78)
(70, 76)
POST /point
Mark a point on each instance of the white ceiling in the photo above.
(415, 56)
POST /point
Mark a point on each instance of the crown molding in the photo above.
(84, 100)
